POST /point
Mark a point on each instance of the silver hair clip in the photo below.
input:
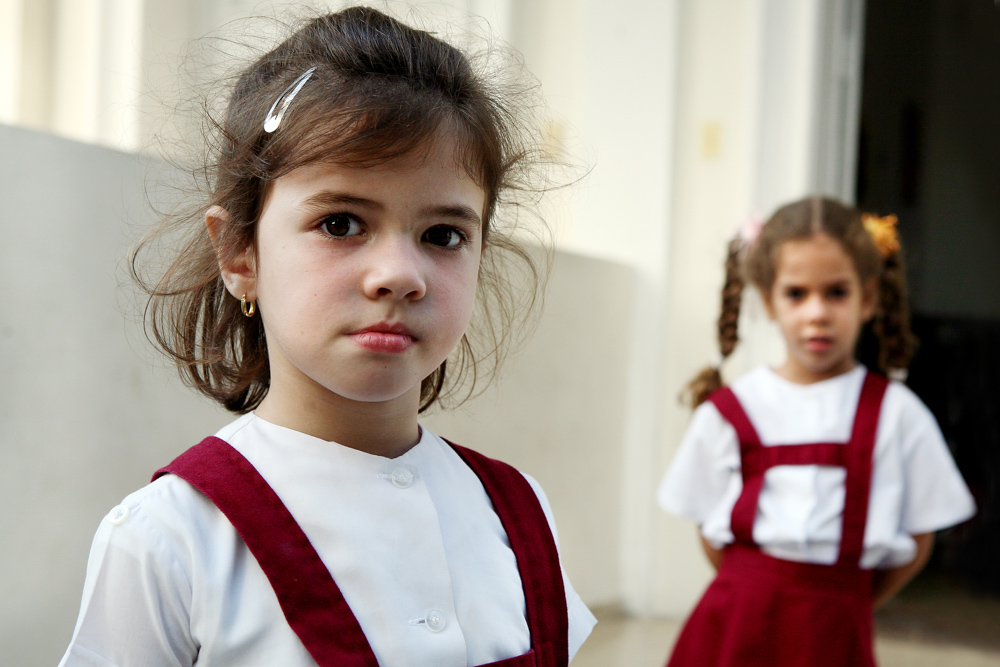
(280, 105)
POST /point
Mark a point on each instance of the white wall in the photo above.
(558, 413)
(609, 74)
(87, 412)
(86, 415)
(691, 114)
(753, 131)
(111, 71)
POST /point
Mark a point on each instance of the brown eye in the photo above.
(341, 225)
(443, 236)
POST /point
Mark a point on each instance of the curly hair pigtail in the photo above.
(709, 379)
(897, 344)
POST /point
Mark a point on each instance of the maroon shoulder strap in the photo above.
(309, 597)
(729, 407)
(534, 547)
(745, 509)
(855, 457)
(857, 485)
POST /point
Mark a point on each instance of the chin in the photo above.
(828, 371)
(375, 392)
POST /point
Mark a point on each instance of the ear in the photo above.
(869, 299)
(239, 273)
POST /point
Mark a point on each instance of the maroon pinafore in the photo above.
(311, 600)
(764, 611)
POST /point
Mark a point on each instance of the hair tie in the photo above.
(749, 231)
(280, 106)
(883, 232)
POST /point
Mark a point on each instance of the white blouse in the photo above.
(420, 557)
(915, 489)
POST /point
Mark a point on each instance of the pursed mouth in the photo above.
(384, 338)
(396, 329)
(818, 343)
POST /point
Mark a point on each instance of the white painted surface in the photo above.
(11, 33)
(87, 412)
(558, 412)
(86, 415)
(690, 114)
(760, 94)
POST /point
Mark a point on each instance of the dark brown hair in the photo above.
(802, 220)
(380, 91)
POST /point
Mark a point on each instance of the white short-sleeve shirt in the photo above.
(916, 487)
(170, 582)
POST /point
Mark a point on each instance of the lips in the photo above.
(385, 338)
(819, 344)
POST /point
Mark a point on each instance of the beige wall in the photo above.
(87, 412)
(693, 114)
(690, 114)
(763, 121)
(609, 73)
(112, 71)
(558, 412)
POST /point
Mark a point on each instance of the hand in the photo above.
(889, 582)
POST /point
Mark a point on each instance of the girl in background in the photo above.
(817, 485)
(329, 275)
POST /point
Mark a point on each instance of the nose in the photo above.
(395, 270)
(817, 308)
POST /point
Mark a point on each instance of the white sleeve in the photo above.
(581, 621)
(136, 598)
(935, 496)
(703, 468)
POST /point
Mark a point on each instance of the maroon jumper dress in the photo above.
(764, 611)
(311, 600)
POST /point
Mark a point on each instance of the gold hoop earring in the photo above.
(248, 309)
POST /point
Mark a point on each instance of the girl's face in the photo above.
(820, 304)
(365, 277)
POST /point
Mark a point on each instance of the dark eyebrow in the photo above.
(327, 198)
(456, 211)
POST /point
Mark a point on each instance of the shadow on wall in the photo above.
(87, 411)
(558, 414)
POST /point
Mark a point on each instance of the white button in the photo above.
(118, 514)
(435, 620)
(402, 478)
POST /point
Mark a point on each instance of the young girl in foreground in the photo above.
(351, 214)
(817, 485)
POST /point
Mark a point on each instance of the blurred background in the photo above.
(690, 114)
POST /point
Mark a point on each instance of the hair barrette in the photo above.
(883, 232)
(280, 106)
(749, 231)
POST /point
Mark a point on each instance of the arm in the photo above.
(136, 600)
(889, 582)
(706, 466)
(714, 555)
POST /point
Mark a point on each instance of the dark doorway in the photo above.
(930, 152)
